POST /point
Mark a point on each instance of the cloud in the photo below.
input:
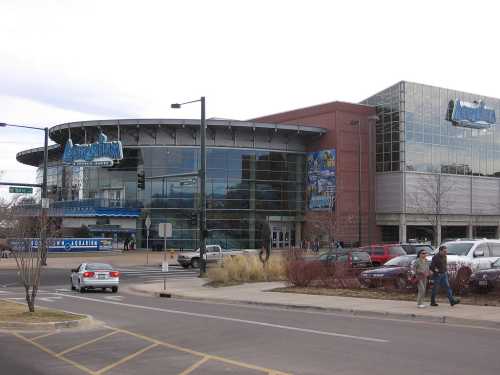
(55, 89)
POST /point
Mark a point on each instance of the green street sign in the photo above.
(20, 190)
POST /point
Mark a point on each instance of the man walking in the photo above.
(439, 268)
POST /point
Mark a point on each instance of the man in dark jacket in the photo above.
(439, 268)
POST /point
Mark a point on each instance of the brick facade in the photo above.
(341, 120)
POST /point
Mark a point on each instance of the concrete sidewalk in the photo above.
(258, 293)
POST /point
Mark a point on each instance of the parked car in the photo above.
(352, 258)
(94, 276)
(414, 248)
(487, 279)
(397, 272)
(380, 254)
(476, 254)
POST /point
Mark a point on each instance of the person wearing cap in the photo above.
(439, 268)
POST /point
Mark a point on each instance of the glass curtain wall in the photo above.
(389, 128)
(413, 134)
(244, 188)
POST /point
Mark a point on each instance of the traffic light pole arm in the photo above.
(21, 184)
(189, 174)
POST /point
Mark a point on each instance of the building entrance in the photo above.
(282, 235)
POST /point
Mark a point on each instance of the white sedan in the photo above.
(94, 276)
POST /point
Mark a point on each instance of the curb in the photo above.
(86, 322)
(411, 317)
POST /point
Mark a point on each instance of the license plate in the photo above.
(483, 282)
(101, 277)
(377, 275)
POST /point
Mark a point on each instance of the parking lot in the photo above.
(108, 350)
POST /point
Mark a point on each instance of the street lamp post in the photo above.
(45, 202)
(358, 123)
(202, 175)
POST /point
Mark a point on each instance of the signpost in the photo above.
(148, 225)
(20, 190)
(165, 231)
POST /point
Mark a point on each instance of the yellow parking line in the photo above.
(87, 343)
(195, 366)
(44, 335)
(200, 354)
(55, 355)
(125, 359)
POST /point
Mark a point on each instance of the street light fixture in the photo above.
(202, 175)
(45, 202)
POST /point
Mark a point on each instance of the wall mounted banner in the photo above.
(65, 245)
(100, 154)
(470, 115)
(321, 180)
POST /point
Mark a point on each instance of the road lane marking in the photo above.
(53, 354)
(200, 354)
(44, 335)
(87, 343)
(125, 359)
(115, 298)
(235, 320)
(193, 367)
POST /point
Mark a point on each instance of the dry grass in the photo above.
(16, 312)
(247, 268)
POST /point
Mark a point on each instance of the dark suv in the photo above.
(352, 258)
(380, 254)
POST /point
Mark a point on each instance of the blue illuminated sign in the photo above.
(471, 115)
(100, 154)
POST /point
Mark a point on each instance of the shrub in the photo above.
(302, 273)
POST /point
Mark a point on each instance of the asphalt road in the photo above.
(147, 335)
(51, 277)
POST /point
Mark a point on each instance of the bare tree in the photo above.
(22, 231)
(430, 200)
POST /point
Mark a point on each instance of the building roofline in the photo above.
(314, 110)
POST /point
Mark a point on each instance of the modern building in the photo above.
(413, 161)
(255, 177)
(437, 161)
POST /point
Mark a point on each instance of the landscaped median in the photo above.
(15, 316)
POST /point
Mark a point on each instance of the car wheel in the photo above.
(72, 286)
(114, 289)
(82, 289)
(195, 263)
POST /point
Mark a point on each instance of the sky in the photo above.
(63, 61)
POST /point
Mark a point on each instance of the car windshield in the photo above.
(98, 266)
(360, 255)
(496, 264)
(459, 248)
(402, 261)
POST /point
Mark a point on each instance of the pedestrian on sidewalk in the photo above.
(125, 244)
(439, 268)
(422, 272)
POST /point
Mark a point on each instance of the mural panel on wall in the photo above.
(321, 180)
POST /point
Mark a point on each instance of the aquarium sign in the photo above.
(100, 154)
(474, 115)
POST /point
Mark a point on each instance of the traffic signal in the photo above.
(194, 219)
(141, 181)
